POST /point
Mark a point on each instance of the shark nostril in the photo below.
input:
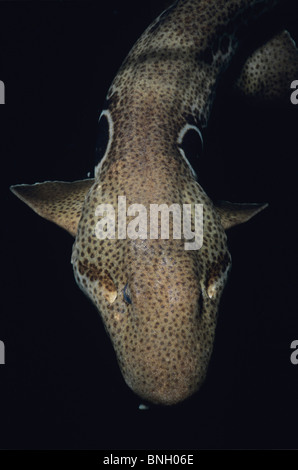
(126, 295)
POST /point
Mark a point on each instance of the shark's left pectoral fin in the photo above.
(58, 201)
(232, 214)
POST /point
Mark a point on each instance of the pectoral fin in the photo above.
(58, 201)
(232, 214)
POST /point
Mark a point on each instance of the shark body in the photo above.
(158, 301)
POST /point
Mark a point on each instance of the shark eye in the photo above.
(126, 297)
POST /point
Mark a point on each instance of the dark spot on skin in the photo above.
(102, 139)
(126, 296)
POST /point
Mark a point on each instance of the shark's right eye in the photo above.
(126, 296)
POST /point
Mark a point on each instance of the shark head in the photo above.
(158, 301)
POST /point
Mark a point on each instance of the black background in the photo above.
(61, 386)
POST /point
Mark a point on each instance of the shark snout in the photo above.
(162, 381)
(165, 364)
(161, 359)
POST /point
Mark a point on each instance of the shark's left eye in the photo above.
(126, 296)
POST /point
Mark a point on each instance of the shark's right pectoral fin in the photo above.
(232, 214)
(58, 201)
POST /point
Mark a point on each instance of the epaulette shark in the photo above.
(150, 246)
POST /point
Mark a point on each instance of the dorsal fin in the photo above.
(58, 201)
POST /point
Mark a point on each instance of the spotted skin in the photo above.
(158, 301)
(267, 73)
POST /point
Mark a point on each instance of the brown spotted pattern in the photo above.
(157, 300)
(267, 74)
